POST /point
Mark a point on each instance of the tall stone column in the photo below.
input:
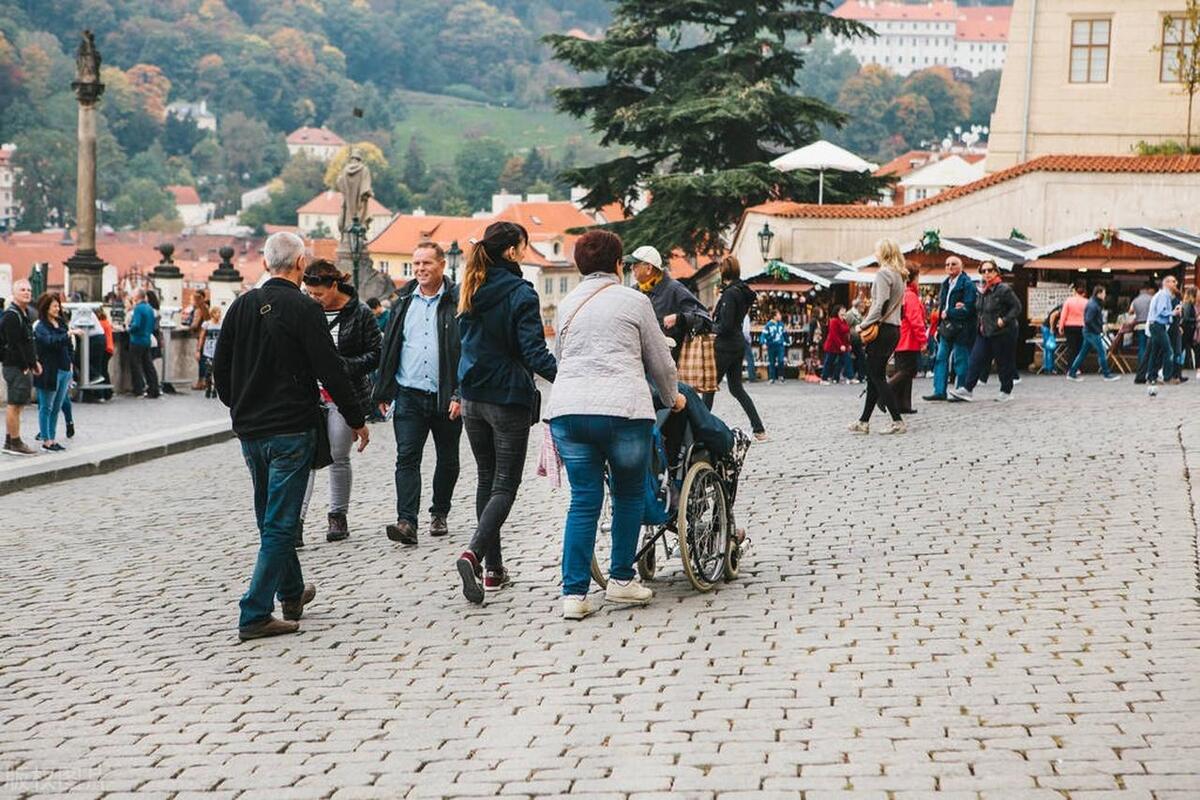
(168, 278)
(85, 267)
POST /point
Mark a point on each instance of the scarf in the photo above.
(648, 286)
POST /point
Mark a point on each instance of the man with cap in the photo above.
(679, 312)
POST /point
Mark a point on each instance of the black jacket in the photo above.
(503, 341)
(359, 344)
(958, 323)
(999, 302)
(53, 352)
(274, 346)
(732, 308)
(449, 346)
(16, 331)
(668, 297)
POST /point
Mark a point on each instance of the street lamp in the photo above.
(454, 258)
(765, 237)
(357, 235)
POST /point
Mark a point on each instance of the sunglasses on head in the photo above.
(319, 280)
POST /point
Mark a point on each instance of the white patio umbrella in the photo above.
(822, 155)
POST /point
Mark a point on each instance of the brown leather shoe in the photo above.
(404, 532)
(438, 526)
(339, 529)
(268, 627)
(293, 610)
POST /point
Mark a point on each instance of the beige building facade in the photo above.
(1087, 76)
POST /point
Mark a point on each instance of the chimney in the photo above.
(418, 212)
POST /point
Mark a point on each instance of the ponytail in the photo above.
(496, 241)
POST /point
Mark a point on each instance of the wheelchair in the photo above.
(691, 515)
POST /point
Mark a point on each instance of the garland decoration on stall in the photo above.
(1016, 234)
(931, 241)
(1107, 235)
(778, 270)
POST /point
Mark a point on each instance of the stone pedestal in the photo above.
(225, 284)
(168, 279)
(85, 272)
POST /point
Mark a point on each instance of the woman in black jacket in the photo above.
(359, 342)
(732, 308)
(503, 346)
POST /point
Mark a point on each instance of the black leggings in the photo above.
(902, 379)
(729, 367)
(499, 437)
(878, 389)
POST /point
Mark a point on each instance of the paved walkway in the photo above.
(1002, 604)
(114, 434)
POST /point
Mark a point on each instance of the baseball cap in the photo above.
(647, 254)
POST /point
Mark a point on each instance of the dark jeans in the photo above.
(499, 437)
(860, 359)
(586, 443)
(1074, 341)
(1159, 352)
(141, 370)
(837, 366)
(1142, 338)
(416, 416)
(776, 361)
(1002, 349)
(902, 379)
(279, 467)
(1091, 341)
(751, 370)
(729, 366)
(878, 389)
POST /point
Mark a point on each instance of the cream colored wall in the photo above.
(1069, 118)
(1045, 206)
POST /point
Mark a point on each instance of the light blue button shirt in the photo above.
(1160, 308)
(419, 356)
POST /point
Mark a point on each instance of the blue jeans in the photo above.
(941, 365)
(1091, 341)
(279, 468)
(1049, 346)
(1158, 352)
(50, 403)
(586, 442)
(751, 371)
(837, 365)
(1000, 348)
(776, 361)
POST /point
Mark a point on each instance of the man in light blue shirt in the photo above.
(1158, 320)
(419, 372)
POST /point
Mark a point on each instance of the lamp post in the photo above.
(765, 237)
(454, 258)
(357, 235)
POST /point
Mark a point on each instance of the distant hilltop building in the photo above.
(1089, 78)
(911, 37)
(319, 143)
(10, 212)
(197, 112)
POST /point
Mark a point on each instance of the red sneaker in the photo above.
(472, 577)
(496, 579)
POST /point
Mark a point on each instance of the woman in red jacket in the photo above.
(837, 348)
(913, 336)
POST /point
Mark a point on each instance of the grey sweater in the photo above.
(609, 349)
(887, 298)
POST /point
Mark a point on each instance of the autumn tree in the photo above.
(1181, 56)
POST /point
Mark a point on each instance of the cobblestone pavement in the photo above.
(1002, 604)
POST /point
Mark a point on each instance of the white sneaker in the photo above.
(1075, 378)
(896, 427)
(824, 383)
(629, 592)
(1111, 378)
(1004, 397)
(1152, 390)
(962, 394)
(860, 427)
(577, 607)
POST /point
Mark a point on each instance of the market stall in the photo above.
(802, 294)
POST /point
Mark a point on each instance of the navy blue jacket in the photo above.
(1093, 317)
(503, 341)
(53, 351)
(963, 291)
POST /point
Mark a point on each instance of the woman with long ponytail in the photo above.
(503, 346)
(887, 301)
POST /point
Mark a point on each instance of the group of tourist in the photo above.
(454, 358)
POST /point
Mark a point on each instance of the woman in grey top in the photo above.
(601, 414)
(887, 302)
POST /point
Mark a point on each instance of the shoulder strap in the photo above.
(566, 325)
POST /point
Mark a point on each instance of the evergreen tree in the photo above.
(416, 172)
(700, 96)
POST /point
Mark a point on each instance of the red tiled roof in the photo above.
(864, 10)
(1104, 164)
(329, 202)
(555, 216)
(407, 230)
(983, 23)
(902, 165)
(185, 195)
(320, 136)
(5, 156)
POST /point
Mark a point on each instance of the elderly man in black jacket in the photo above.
(679, 312)
(273, 349)
(999, 313)
(419, 372)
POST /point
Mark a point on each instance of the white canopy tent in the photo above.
(821, 156)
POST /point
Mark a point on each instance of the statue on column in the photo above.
(355, 185)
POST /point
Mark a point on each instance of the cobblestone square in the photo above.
(1000, 604)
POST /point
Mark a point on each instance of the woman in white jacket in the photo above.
(601, 415)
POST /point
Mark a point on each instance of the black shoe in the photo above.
(935, 398)
(70, 430)
(438, 526)
(293, 610)
(299, 538)
(908, 411)
(404, 532)
(1139, 381)
(338, 528)
(268, 627)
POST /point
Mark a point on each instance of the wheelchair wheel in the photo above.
(602, 552)
(703, 526)
(733, 559)
(647, 565)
